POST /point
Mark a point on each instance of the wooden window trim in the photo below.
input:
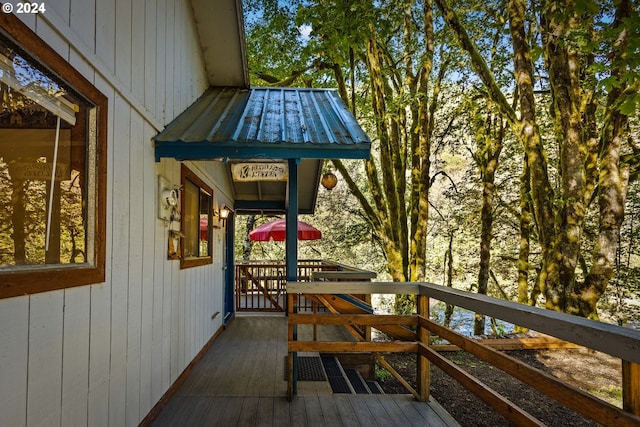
(186, 173)
(44, 278)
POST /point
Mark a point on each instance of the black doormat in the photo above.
(309, 369)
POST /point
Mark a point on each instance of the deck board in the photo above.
(240, 381)
(379, 413)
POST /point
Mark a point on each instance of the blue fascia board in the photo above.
(276, 206)
(205, 151)
(252, 206)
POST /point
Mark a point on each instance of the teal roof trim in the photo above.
(264, 123)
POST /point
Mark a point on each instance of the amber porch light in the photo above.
(329, 180)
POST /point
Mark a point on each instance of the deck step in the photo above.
(358, 384)
(336, 375)
(375, 388)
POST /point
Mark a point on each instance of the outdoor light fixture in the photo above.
(329, 180)
(225, 211)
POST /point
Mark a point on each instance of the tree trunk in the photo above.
(541, 190)
(613, 189)
(246, 246)
(525, 236)
(613, 182)
(487, 161)
(564, 68)
(448, 311)
(18, 214)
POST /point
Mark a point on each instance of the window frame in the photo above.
(44, 278)
(188, 174)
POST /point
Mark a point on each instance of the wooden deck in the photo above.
(240, 381)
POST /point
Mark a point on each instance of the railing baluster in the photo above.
(631, 387)
(423, 377)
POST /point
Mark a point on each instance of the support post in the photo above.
(423, 375)
(229, 270)
(292, 222)
(631, 387)
(291, 242)
(292, 268)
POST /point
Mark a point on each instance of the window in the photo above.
(196, 220)
(52, 168)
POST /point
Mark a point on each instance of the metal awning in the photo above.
(263, 125)
(280, 123)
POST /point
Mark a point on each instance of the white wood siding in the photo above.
(103, 355)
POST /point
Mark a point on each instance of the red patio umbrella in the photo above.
(204, 228)
(276, 230)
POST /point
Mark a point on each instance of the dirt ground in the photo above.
(594, 372)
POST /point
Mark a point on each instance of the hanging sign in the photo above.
(39, 171)
(260, 172)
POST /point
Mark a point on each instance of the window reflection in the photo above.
(44, 127)
(196, 220)
(205, 208)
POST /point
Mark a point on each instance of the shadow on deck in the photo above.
(240, 381)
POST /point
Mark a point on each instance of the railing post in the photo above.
(423, 376)
(631, 387)
(367, 329)
(292, 359)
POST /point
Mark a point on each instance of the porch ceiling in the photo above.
(266, 125)
(221, 31)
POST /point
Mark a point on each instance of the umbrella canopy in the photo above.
(204, 228)
(276, 230)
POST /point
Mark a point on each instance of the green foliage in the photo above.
(382, 374)
(339, 32)
(621, 303)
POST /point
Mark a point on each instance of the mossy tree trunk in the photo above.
(490, 142)
(398, 208)
(587, 163)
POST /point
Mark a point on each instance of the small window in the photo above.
(196, 220)
(52, 168)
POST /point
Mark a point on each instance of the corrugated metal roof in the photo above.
(264, 123)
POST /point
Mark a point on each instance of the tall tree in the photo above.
(582, 42)
(389, 51)
(489, 139)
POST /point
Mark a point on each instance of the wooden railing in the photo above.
(610, 339)
(261, 285)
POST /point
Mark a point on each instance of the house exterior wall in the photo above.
(104, 354)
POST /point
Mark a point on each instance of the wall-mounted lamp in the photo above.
(225, 211)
